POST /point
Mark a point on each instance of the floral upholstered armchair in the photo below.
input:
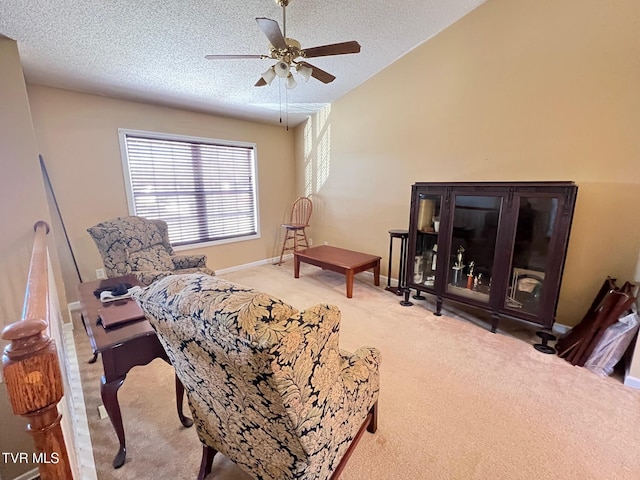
(267, 384)
(140, 246)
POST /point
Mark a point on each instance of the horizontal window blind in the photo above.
(204, 191)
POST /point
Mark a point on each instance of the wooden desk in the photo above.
(340, 260)
(121, 348)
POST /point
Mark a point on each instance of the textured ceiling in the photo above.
(153, 50)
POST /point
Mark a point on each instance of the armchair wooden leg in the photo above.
(373, 424)
(207, 460)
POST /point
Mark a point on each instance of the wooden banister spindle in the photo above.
(32, 371)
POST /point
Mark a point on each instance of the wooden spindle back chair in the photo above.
(296, 236)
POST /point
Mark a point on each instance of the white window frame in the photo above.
(123, 133)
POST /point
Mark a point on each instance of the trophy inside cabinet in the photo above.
(428, 228)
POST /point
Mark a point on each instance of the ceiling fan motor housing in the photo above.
(288, 54)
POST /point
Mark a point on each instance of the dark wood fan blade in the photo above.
(272, 30)
(260, 83)
(232, 57)
(333, 49)
(318, 74)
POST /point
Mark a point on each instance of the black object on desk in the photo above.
(403, 235)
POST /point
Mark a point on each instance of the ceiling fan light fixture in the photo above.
(291, 82)
(282, 69)
(304, 71)
(269, 75)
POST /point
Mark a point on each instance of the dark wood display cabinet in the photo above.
(497, 246)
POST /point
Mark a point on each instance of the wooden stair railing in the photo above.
(31, 368)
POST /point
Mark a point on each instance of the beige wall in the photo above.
(78, 138)
(23, 202)
(524, 90)
(77, 135)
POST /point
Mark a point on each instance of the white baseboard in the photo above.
(73, 306)
(560, 328)
(83, 445)
(630, 381)
(383, 278)
(30, 475)
(266, 261)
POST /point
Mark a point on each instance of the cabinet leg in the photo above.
(544, 346)
(419, 296)
(438, 311)
(495, 318)
(406, 302)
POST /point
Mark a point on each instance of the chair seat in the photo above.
(294, 226)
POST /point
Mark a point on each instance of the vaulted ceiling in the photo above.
(154, 50)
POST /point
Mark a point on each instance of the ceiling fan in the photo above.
(289, 54)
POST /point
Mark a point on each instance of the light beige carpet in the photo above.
(456, 401)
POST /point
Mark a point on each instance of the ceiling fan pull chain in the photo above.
(286, 107)
(280, 100)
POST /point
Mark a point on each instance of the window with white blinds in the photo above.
(204, 189)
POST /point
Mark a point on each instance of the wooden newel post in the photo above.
(34, 383)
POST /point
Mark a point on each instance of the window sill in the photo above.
(194, 246)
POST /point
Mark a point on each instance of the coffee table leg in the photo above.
(376, 274)
(109, 394)
(296, 266)
(349, 275)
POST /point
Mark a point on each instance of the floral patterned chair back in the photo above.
(141, 246)
(267, 384)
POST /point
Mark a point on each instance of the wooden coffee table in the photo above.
(338, 260)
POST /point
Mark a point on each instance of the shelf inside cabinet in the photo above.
(468, 293)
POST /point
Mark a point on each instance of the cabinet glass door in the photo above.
(426, 248)
(473, 245)
(534, 229)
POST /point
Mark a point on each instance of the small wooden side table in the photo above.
(403, 235)
(121, 349)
